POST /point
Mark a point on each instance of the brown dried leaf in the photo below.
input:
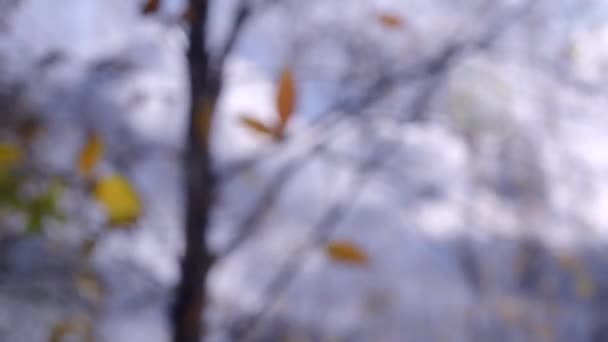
(346, 252)
(90, 155)
(150, 7)
(391, 21)
(258, 126)
(286, 99)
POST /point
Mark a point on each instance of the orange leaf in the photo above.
(90, 155)
(286, 99)
(346, 252)
(391, 21)
(151, 6)
(258, 126)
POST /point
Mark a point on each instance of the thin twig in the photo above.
(433, 69)
(337, 211)
(321, 233)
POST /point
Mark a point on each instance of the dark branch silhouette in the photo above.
(205, 87)
(197, 260)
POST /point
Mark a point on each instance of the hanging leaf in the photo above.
(258, 126)
(286, 99)
(91, 154)
(89, 286)
(346, 252)
(119, 198)
(391, 21)
(78, 327)
(150, 7)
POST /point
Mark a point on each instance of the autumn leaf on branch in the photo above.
(391, 21)
(285, 100)
(346, 252)
(257, 126)
(90, 155)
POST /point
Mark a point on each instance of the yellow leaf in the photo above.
(390, 21)
(10, 155)
(119, 199)
(89, 287)
(346, 252)
(151, 6)
(91, 154)
(258, 126)
(78, 327)
(286, 99)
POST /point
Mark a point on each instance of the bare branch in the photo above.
(242, 14)
(252, 221)
(432, 71)
(321, 233)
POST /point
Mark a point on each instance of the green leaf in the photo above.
(45, 205)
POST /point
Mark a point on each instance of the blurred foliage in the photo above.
(76, 328)
(10, 155)
(33, 195)
(35, 207)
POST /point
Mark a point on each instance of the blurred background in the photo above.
(384, 170)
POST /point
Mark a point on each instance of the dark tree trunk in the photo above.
(189, 306)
